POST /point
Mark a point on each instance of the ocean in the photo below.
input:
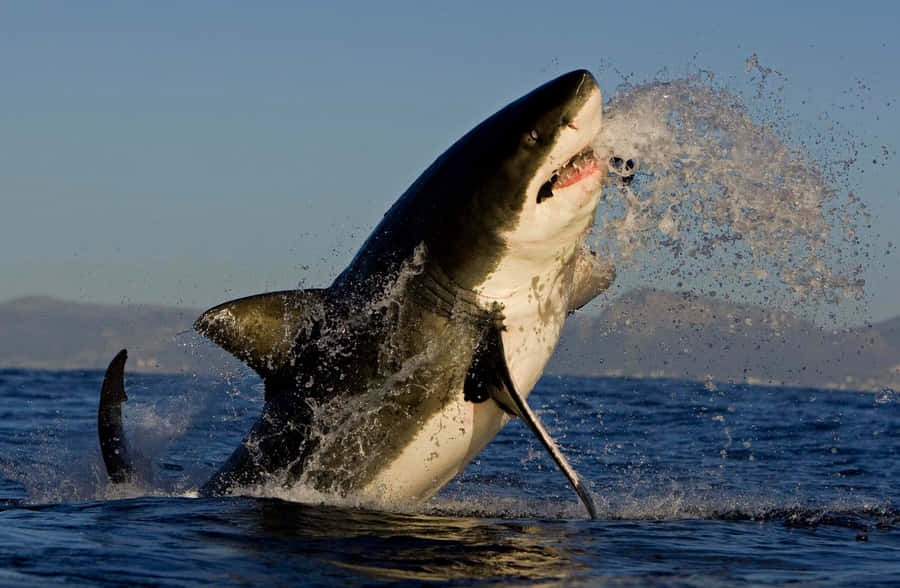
(697, 485)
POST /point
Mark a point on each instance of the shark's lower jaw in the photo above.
(582, 166)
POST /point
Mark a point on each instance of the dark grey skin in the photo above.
(119, 463)
(352, 371)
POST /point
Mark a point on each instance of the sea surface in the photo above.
(697, 484)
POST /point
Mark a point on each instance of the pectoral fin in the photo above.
(489, 375)
(261, 330)
(593, 275)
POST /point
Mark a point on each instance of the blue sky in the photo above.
(187, 153)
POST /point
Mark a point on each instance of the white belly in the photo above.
(441, 449)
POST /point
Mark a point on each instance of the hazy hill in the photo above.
(39, 332)
(890, 330)
(650, 333)
(643, 334)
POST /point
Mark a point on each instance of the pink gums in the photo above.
(580, 168)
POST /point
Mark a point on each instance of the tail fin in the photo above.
(119, 464)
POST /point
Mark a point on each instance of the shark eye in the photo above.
(534, 136)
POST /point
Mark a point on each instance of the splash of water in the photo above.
(721, 203)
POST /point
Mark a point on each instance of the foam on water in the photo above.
(673, 506)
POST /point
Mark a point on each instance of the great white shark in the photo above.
(384, 385)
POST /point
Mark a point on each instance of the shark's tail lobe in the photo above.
(118, 460)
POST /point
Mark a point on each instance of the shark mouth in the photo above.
(583, 165)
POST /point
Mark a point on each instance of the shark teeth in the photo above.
(579, 167)
(582, 165)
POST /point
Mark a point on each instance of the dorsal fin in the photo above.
(261, 330)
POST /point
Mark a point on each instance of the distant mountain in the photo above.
(39, 332)
(651, 333)
(890, 330)
(646, 333)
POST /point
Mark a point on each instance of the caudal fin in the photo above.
(119, 464)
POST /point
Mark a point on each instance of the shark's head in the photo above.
(521, 183)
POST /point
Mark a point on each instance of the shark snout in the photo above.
(579, 84)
